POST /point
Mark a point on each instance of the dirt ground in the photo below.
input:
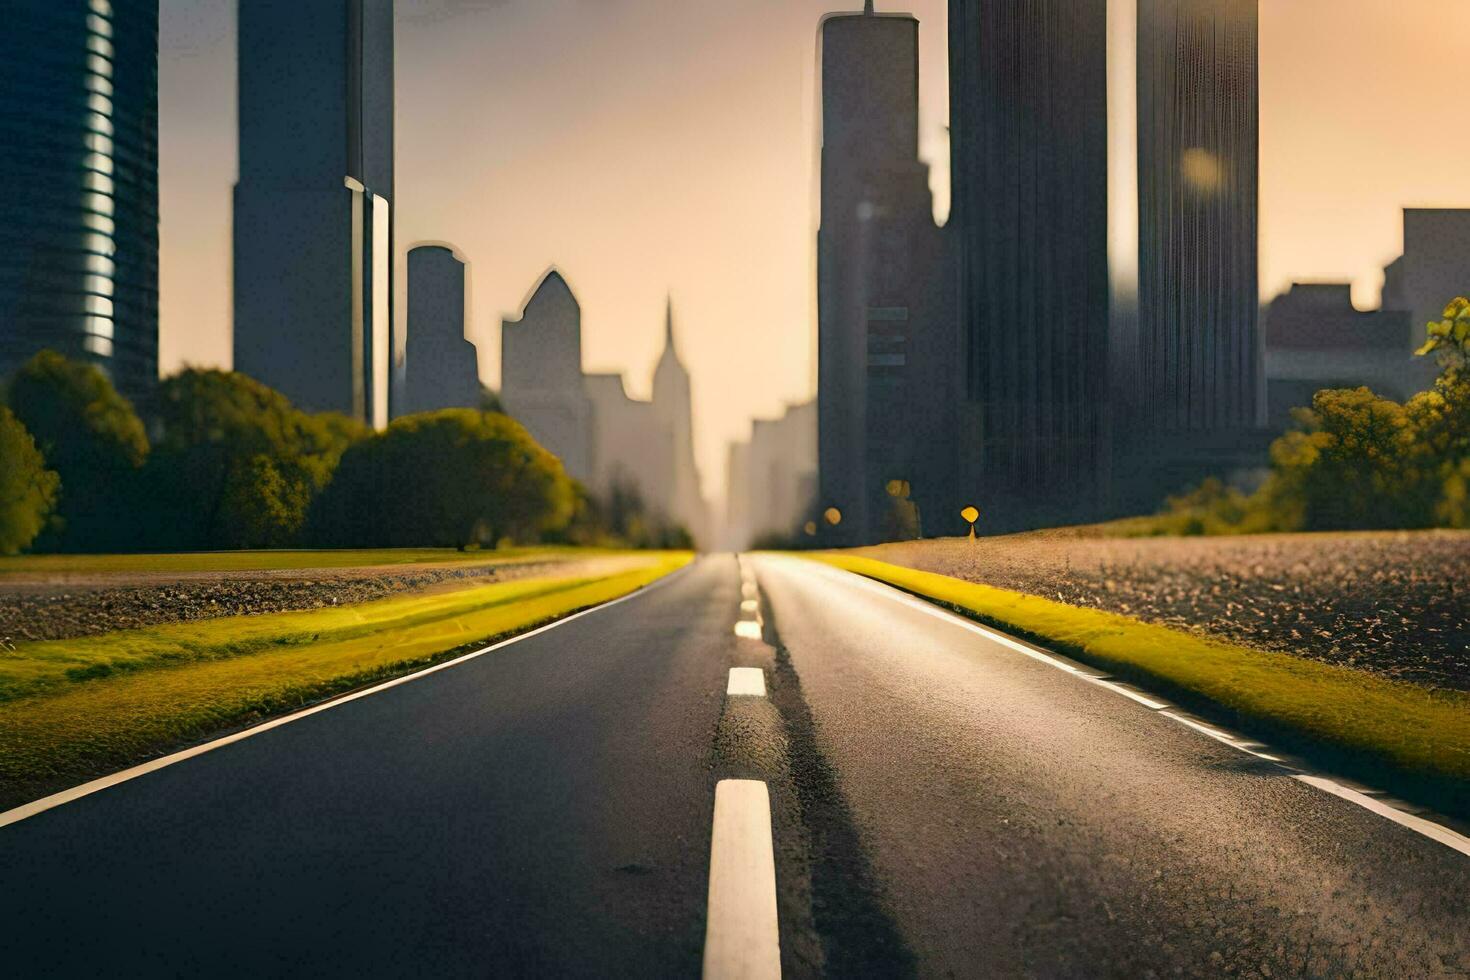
(46, 608)
(1395, 603)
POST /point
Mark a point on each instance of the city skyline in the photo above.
(1308, 232)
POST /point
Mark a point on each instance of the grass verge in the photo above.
(169, 686)
(1398, 736)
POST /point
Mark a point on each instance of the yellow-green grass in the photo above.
(1414, 739)
(182, 682)
(256, 561)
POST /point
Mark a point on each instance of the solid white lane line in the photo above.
(742, 938)
(748, 629)
(97, 785)
(1427, 828)
(750, 681)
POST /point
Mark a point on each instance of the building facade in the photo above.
(682, 498)
(1198, 356)
(772, 478)
(885, 320)
(79, 164)
(441, 369)
(313, 232)
(541, 380)
(1434, 269)
(1030, 228)
(1316, 338)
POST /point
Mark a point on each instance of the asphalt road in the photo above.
(941, 805)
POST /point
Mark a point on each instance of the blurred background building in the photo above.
(772, 487)
(1029, 147)
(313, 232)
(79, 168)
(441, 368)
(886, 353)
(605, 439)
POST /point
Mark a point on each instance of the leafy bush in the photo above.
(92, 438)
(27, 487)
(237, 465)
(451, 478)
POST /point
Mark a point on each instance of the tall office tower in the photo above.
(673, 411)
(541, 379)
(1030, 153)
(313, 208)
(885, 323)
(79, 168)
(441, 369)
(1199, 354)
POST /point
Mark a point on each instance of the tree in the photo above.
(92, 438)
(27, 487)
(237, 465)
(450, 478)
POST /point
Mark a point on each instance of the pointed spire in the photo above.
(669, 326)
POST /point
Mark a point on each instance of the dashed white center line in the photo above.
(742, 938)
(747, 681)
(748, 629)
(749, 605)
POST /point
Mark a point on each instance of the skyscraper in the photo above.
(1199, 355)
(79, 168)
(673, 410)
(885, 344)
(441, 368)
(1029, 145)
(313, 208)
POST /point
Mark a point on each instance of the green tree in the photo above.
(92, 438)
(450, 478)
(27, 487)
(237, 465)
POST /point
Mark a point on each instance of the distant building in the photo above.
(1316, 339)
(630, 452)
(1198, 355)
(673, 409)
(313, 207)
(1434, 270)
(773, 478)
(541, 374)
(441, 368)
(886, 347)
(79, 168)
(603, 437)
(1030, 157)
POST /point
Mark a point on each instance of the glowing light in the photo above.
(99, 326)
(833, 516)
(97, 345)
(1202, 170)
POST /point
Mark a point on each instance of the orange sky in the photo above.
(647, 146)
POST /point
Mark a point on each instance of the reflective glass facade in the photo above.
(79, 168)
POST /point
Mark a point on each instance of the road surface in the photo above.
(939, 804)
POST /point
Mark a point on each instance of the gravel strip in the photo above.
(53, 611)
(1396, 604)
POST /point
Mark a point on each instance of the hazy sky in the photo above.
(649, 146)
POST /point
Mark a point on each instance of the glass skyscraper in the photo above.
(79, 172)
